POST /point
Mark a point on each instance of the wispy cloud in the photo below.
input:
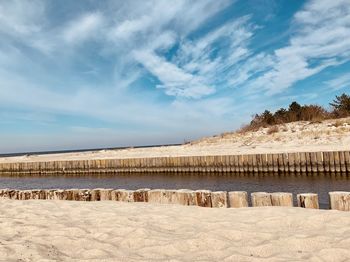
(321, 39)
(85, 27)
(339, 82)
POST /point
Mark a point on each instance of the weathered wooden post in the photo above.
(69, 193)
(25, 194)
(155, 195)
(282, 199)
(95, 194)
(219, 199)
(339, 200)
(238, 199)
(50, 194)
(35, 194)
(13, 194)
(123, 195)
(141, 195)
(60, 195)
(203, 198)
(4, 193)
(184, 197)
(106, 194)
(308, 200)
(260, 199)
(81, 195)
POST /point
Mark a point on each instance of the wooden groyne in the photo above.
(203, 198)
(298, 162)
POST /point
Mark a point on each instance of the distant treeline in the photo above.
(340, 107)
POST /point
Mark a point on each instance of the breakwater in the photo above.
(297, 162)
(203, 198)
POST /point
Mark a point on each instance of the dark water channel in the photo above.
(321, 184)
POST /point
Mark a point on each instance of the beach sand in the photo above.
(113, 231)
(329, 135)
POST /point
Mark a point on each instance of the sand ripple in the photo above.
(112, 231)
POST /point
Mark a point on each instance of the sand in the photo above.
(37, 230)
(330, 135)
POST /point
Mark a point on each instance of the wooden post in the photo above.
(255, 163)
(123, 195)
(69, 193)
(219, 199)
(25, 194)
(261, 199)
(238, 199)
(326, 161)
(320, 162)
(259, 162)
(240, 163)
(339, 200)
(141, 195)
(106, 194)
(313, 162)
(282, 199)
(155, 195)
(291, 163)
(336, 162)
(285, 162)
(302, 162)
(59, 195)
(308, 200)
(50, 194)
(275, 163)
(203, 198)
(184, 197)
(331, 162)
(280, 163)
(342, 162)
(270, 163)
(95, 194)
(297, 162)
(250, 163)
(347, 160)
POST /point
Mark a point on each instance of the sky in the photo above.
(98, 73)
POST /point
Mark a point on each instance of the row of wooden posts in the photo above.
(204, 198)
(299, 162)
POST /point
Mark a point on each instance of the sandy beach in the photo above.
(114, 231)
(329, 135)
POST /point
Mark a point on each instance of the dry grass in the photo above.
(272, 129)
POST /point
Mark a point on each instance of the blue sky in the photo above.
(85, 74)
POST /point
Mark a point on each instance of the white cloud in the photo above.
(321, 39)
(339, 82)
(195, 71)
(21, 17)
(83, 28)
(174, 80)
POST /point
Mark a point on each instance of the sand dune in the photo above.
(112, 231)
(330, 135)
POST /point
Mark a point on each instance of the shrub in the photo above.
(272, 129)
(341, 105)
(297, 112)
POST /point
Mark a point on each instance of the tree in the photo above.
(268, 118)
(341, 105)
(281, 115)
(294, 111)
